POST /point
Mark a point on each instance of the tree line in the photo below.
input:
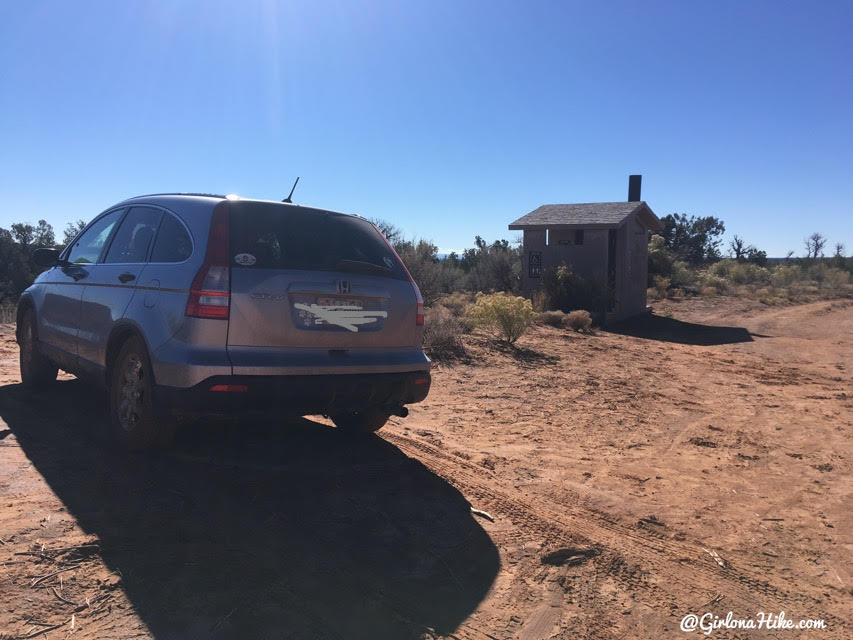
(487, 266)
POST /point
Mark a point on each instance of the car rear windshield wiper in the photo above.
(357, 266)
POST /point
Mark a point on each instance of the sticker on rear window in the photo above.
(245, 259)
(388, 262)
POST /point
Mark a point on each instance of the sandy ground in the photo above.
(696, 461)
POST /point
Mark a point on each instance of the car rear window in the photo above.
(270, 236)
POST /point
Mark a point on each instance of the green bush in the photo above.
(565, 290)
(507, 316)
(660, 259)
(783, 275)
(579, 320)
(682, 274)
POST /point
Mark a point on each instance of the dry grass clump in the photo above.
(539, 300)
(551, 318)
(442, 334)
(579, 320)
(711, 281)
(457, 302)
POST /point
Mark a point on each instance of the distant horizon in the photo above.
(514, 238)
(449, 120)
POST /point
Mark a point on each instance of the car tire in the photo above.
(367, 421)
(133, 422)
(37, 372)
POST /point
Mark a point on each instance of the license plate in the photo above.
(339, 302)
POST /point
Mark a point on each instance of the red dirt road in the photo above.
(691, 464)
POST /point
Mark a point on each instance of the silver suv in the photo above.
(188, 305)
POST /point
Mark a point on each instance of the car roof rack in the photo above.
(205, 195)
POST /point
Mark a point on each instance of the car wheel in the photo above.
(134, 424)
(366, 421)
(37, 372)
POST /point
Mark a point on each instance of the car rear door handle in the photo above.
(126, 277)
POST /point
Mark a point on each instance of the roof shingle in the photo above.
(589, 213)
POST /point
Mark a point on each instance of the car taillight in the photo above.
(419, 318)
(210, 292)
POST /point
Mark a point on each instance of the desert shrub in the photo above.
(551, 318)
(457, 302)
(565, 290)
(660, 259)
(661, 286)
(492, 267)
(768, 295)
(579, 320)
(540, 300)
(709, 291)
(748, 273)
(740, 272)
(721, 269)
(442, 333)
(744, 291)
(783, 275)
(836, 278)
(716, 283)
(826, 276)
(507, 316)
(682, 274)
(421, 259)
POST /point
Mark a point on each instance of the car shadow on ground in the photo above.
(262, 530)
(654, 327)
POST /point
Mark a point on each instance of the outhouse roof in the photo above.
(588, 215)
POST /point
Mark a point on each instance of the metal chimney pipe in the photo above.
(634, 183)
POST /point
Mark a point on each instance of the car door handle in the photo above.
(126, 277)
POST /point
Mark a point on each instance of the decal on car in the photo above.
(245, 259)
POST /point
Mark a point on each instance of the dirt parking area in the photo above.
(695, 461)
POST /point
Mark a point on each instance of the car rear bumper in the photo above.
(293, 395)
(179, 363)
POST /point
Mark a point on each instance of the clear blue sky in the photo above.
(449, 119)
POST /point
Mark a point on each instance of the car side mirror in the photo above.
(45, 257)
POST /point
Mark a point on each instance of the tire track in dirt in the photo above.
(632, 558)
